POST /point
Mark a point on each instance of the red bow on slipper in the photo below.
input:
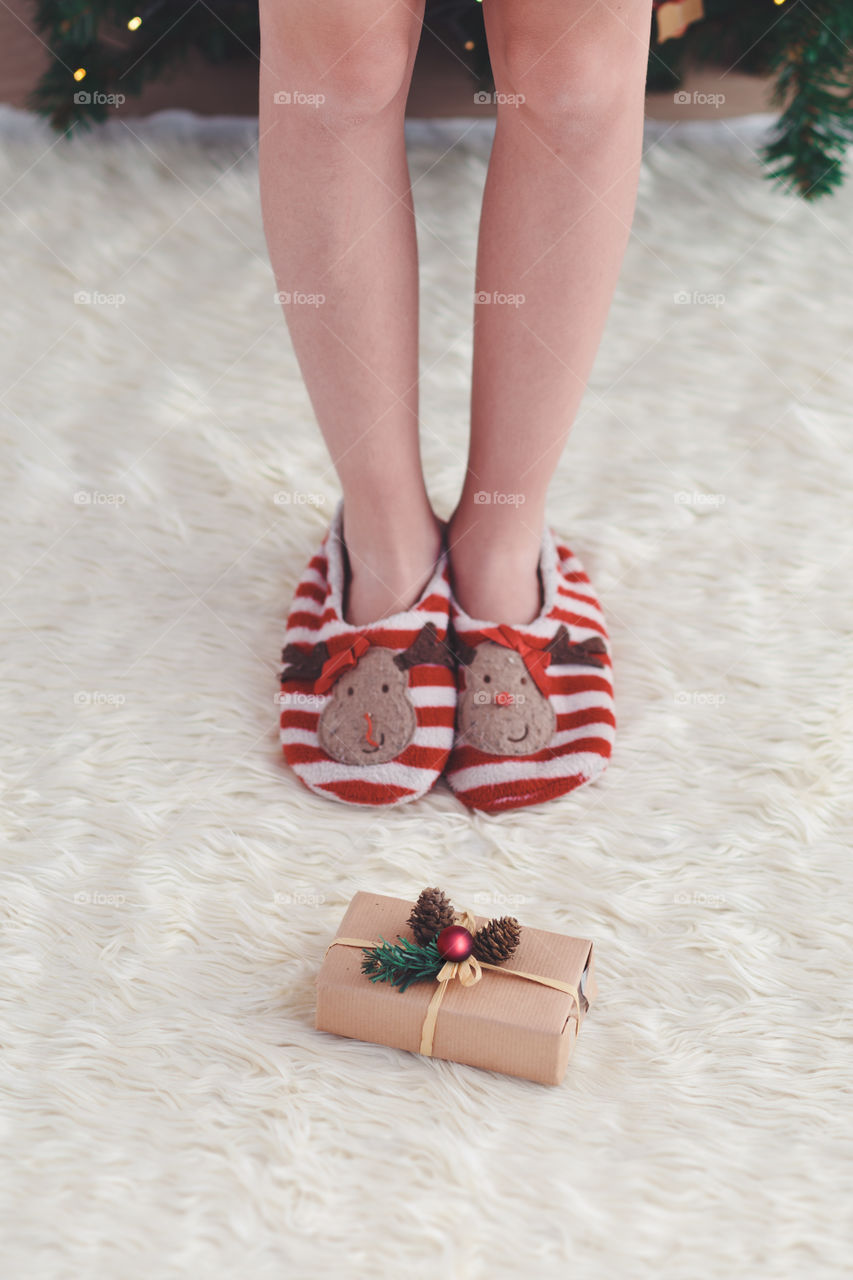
(345, 651)
(536, 656)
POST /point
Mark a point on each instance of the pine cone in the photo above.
(497, 940)
(431, 913)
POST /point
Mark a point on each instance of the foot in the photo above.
(367, 711)
(535, 715)
(387, 569)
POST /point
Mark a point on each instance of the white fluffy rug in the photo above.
(170, 888)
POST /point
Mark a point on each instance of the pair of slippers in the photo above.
(511, 716)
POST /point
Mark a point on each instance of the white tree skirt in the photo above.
(170, 887)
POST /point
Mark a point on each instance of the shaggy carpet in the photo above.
(169, 888)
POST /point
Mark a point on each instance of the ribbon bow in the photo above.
(536, 655)
(345, 651)
(468, 971)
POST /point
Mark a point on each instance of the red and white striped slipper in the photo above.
(535, 715)
(367, 713)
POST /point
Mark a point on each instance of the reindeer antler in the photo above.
(465, 653)
(302, 665)
(582, 654)
(426, 647)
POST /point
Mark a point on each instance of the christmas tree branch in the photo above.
(813, 63)
(402, 963)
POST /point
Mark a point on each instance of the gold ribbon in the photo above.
(469, 972)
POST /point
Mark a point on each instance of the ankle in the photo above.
(394, 546)
(499, 584)
(494, 538)
(387, 563)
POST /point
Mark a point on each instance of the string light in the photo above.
(80, 73)
(134, 24)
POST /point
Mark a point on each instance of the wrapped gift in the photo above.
(454, 985)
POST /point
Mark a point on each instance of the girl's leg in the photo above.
(557, 209)
(339, 222)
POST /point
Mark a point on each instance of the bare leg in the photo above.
(339, 222)
(558, 204)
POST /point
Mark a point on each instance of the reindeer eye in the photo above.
(384, 688)
(349, 690)
(487, 679)
(524, 679)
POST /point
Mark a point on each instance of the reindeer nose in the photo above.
(504, 698)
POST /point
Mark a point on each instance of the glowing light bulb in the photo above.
(80, 73)
(134, 24)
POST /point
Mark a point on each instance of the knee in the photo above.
(344, 71)
(367, 72)
(590, 75)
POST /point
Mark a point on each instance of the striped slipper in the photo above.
(535, 715)
(366, 712)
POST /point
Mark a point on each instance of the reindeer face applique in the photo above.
(501, 711)
(369, 717)
(504, 707)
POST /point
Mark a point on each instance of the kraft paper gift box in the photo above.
(501, 1023)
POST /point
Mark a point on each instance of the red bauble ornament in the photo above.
(455, 943)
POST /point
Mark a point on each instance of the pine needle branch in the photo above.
(813, 66)
(402, 963)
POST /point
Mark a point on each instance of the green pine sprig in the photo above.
(813, 64)
(402, 963)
